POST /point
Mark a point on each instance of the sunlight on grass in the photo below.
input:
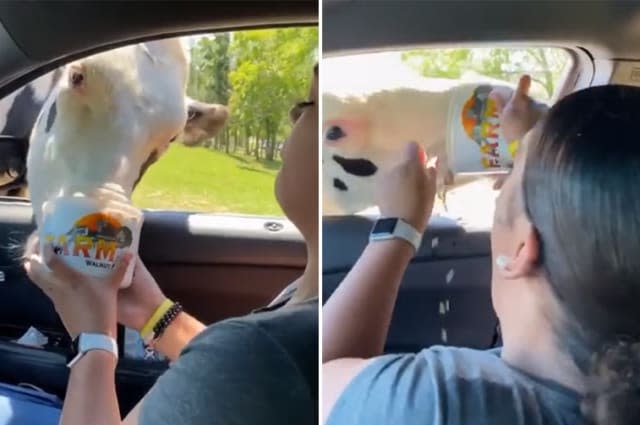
(204, 180)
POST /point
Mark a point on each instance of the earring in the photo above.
(502, 261)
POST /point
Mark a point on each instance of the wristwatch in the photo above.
(396, 228)
(86, 342)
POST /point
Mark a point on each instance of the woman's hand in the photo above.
(84, 303)
(408, 190)
(519, 112)
(137, 303)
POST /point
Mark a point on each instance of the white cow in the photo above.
(109, 117)
(19, 111)
(365, 134)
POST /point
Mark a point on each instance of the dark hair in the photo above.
(581, 191)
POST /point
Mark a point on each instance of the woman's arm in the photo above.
(91, 393)
(356, 317)
(85, 304)
(178, 334)
(137, 303)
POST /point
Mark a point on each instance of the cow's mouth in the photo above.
(153, 157)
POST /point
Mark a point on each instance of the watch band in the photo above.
(86, 342)
(396, 228)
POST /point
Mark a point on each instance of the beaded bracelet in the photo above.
(166, 320)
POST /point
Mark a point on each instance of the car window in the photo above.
(241, 86)
(258, 75)
(360, 107)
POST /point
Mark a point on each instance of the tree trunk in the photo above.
(256, 151)
(271, 145)
(247, 148)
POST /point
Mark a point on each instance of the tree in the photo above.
(270, 71)
(259, 74)
(545, 65)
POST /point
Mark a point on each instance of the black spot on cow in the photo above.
(358, 167)
(51, 116)
(340, 185)
(335, 133)
(22, 114)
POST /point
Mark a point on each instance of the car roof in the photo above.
(607, 29)
(38, 36)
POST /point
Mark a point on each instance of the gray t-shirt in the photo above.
(446, 385)
(258, 369)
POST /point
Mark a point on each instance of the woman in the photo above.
(565, 285)
(261, 368)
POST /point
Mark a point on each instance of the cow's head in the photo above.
(363, 136)
(110, 116)
(205, 121)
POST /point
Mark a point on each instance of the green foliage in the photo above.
(201, 179)
(209, 76)
(439, 63)
(259, 74)
(545, 65)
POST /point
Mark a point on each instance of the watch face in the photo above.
(385, 225)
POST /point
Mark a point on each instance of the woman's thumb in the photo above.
(524, 84)
(414, 152)
(121, 268)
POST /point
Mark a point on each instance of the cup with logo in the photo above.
(475, 145)
(91, 229)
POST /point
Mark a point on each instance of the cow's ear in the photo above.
(350, 130)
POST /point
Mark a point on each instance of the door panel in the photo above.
(445, 295)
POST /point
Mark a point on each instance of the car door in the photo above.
(214, 236)
(445, 294)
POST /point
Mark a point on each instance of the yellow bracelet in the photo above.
(155, 317)
(513, 147)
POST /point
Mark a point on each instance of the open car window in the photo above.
(369, 116)
(241, 87)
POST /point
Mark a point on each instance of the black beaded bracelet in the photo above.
(166, 320)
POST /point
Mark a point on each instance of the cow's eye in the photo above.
(335, 133)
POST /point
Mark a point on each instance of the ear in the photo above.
(337, 131)
(77, 76)
(524, 262)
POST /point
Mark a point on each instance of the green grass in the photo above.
(204, 180)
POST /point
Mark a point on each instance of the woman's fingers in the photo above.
(120, 270)
(39, 273)
(32, 246)
(522, 91)
(60, 269)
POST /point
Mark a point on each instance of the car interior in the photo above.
(445, 296)
(216, 266)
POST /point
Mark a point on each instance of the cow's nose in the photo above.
(173, 139)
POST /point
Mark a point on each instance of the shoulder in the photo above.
(244, 367)
(449, 382)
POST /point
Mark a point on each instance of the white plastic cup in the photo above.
(475, 145)
(90, 233)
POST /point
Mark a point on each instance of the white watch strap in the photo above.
(407, 232)
(90, 341)
(402, 230)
